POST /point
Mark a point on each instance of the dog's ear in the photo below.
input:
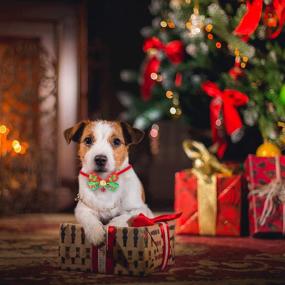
(131, 135)
(74, 133)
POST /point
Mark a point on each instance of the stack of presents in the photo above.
(213, 199)
(230, 200)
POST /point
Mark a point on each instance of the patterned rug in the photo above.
(28, 255)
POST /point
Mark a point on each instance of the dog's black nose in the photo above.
(100, 160)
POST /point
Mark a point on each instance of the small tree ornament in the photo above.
(268, 149)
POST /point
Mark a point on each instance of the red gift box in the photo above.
(265, 176)
(227, 202)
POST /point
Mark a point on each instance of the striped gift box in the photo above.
(128, 250)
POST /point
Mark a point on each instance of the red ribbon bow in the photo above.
(250, 20)
(142, 221)
(173, 51)
(103, 258)
(224, 106)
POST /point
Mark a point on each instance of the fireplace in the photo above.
(42, 92)
(28, 125)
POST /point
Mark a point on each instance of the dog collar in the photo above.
(95, 182)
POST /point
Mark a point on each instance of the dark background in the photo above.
(114, 44)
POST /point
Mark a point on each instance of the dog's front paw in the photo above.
(120, 221)
(96, 235)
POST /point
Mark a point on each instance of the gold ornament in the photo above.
(268, 149)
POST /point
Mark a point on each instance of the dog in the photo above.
(103, 151)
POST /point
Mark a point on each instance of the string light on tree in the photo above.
(154, 139)
(175, 110)
(242, 60)
(163, 24)
(153, 76)
(195, 23)
(169, 94)
(218, 45)
(210, 37)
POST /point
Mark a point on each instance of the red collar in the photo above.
(114, 173)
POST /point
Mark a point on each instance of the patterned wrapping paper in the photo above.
(128, 251)
(228, 204)
(260, 172)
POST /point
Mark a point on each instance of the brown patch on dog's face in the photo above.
(131, 135)
(74, 133)
(118, 144)
(87, 140)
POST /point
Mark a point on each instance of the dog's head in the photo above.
(103, 145)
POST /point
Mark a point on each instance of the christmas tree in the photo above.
(213, 63)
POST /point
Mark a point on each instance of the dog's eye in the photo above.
(117, 142)
(88, 141)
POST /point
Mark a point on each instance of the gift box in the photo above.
(127, 251)
(208, 195)
(265, 176)
(208, 207)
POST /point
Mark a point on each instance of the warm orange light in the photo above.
(188, 25)
(171, 24)
(169, 94)
(242, 65)
(236, 52)
(209, 28)
(3, 129)
(17, 149)
(218, 45)
(210, 37)
(15, 143)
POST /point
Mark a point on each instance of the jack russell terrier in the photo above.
(110, 193)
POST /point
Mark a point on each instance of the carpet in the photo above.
(28, 255)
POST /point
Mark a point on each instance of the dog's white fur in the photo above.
(115, 207)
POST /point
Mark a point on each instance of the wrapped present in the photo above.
(208, 195)
(139, 250)
(266, 184)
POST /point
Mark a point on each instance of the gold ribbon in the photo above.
(205, 168)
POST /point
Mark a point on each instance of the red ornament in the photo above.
(235, 72)
(178, 79)
(274, 18)
(223, 113)
(173, 50)
(151, 66)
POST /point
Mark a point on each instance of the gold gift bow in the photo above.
(203, 160)
(273, 191)
(205, 166)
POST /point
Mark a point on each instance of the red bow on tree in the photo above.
(173, 51)
(250, 20)
(224, 116)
